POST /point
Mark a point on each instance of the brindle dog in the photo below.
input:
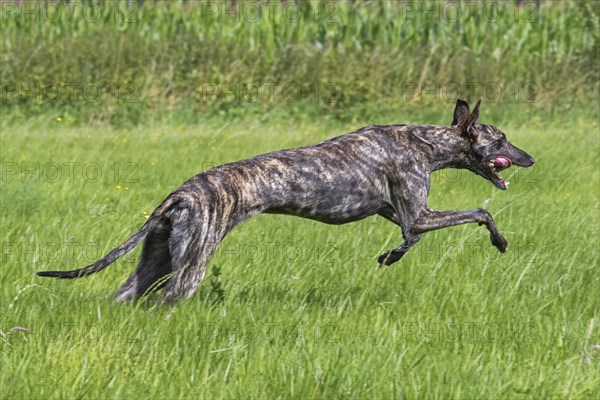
(382, 170)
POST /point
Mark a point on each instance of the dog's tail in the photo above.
(118, 251)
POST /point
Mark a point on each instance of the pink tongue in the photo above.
(502, 162)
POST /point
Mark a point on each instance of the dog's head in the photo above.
(490, 152)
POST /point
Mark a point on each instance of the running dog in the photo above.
(382, 170)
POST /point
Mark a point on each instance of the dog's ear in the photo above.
(461, 109)
(466, 123)
(475, 113)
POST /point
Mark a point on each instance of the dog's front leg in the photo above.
(403, 210)
(430, 220)
(390, 257)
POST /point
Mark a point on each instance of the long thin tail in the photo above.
(118, 251)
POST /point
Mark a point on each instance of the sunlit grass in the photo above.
(306, 312)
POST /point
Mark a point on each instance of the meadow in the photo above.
(293, 308)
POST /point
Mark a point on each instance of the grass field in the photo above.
(292, 308)
(108, 108)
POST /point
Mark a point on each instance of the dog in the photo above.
(382, 170)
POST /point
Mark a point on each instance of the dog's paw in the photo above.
(500, 243)
(382, 258)
(389, 257)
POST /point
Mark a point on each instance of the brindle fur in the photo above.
(381, 170)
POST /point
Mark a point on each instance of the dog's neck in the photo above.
(449, 150)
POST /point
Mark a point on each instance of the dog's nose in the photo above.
(531, 161)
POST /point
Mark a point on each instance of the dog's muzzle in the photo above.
(496, 165)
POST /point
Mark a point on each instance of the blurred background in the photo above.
(127, 62)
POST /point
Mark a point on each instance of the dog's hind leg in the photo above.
(154, 265)
(194, 239)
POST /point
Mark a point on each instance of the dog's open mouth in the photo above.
(496, 165)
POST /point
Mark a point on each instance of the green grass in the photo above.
(148, 62)
(306, 313)
(292, 308)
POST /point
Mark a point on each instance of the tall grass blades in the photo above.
(103, 59)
